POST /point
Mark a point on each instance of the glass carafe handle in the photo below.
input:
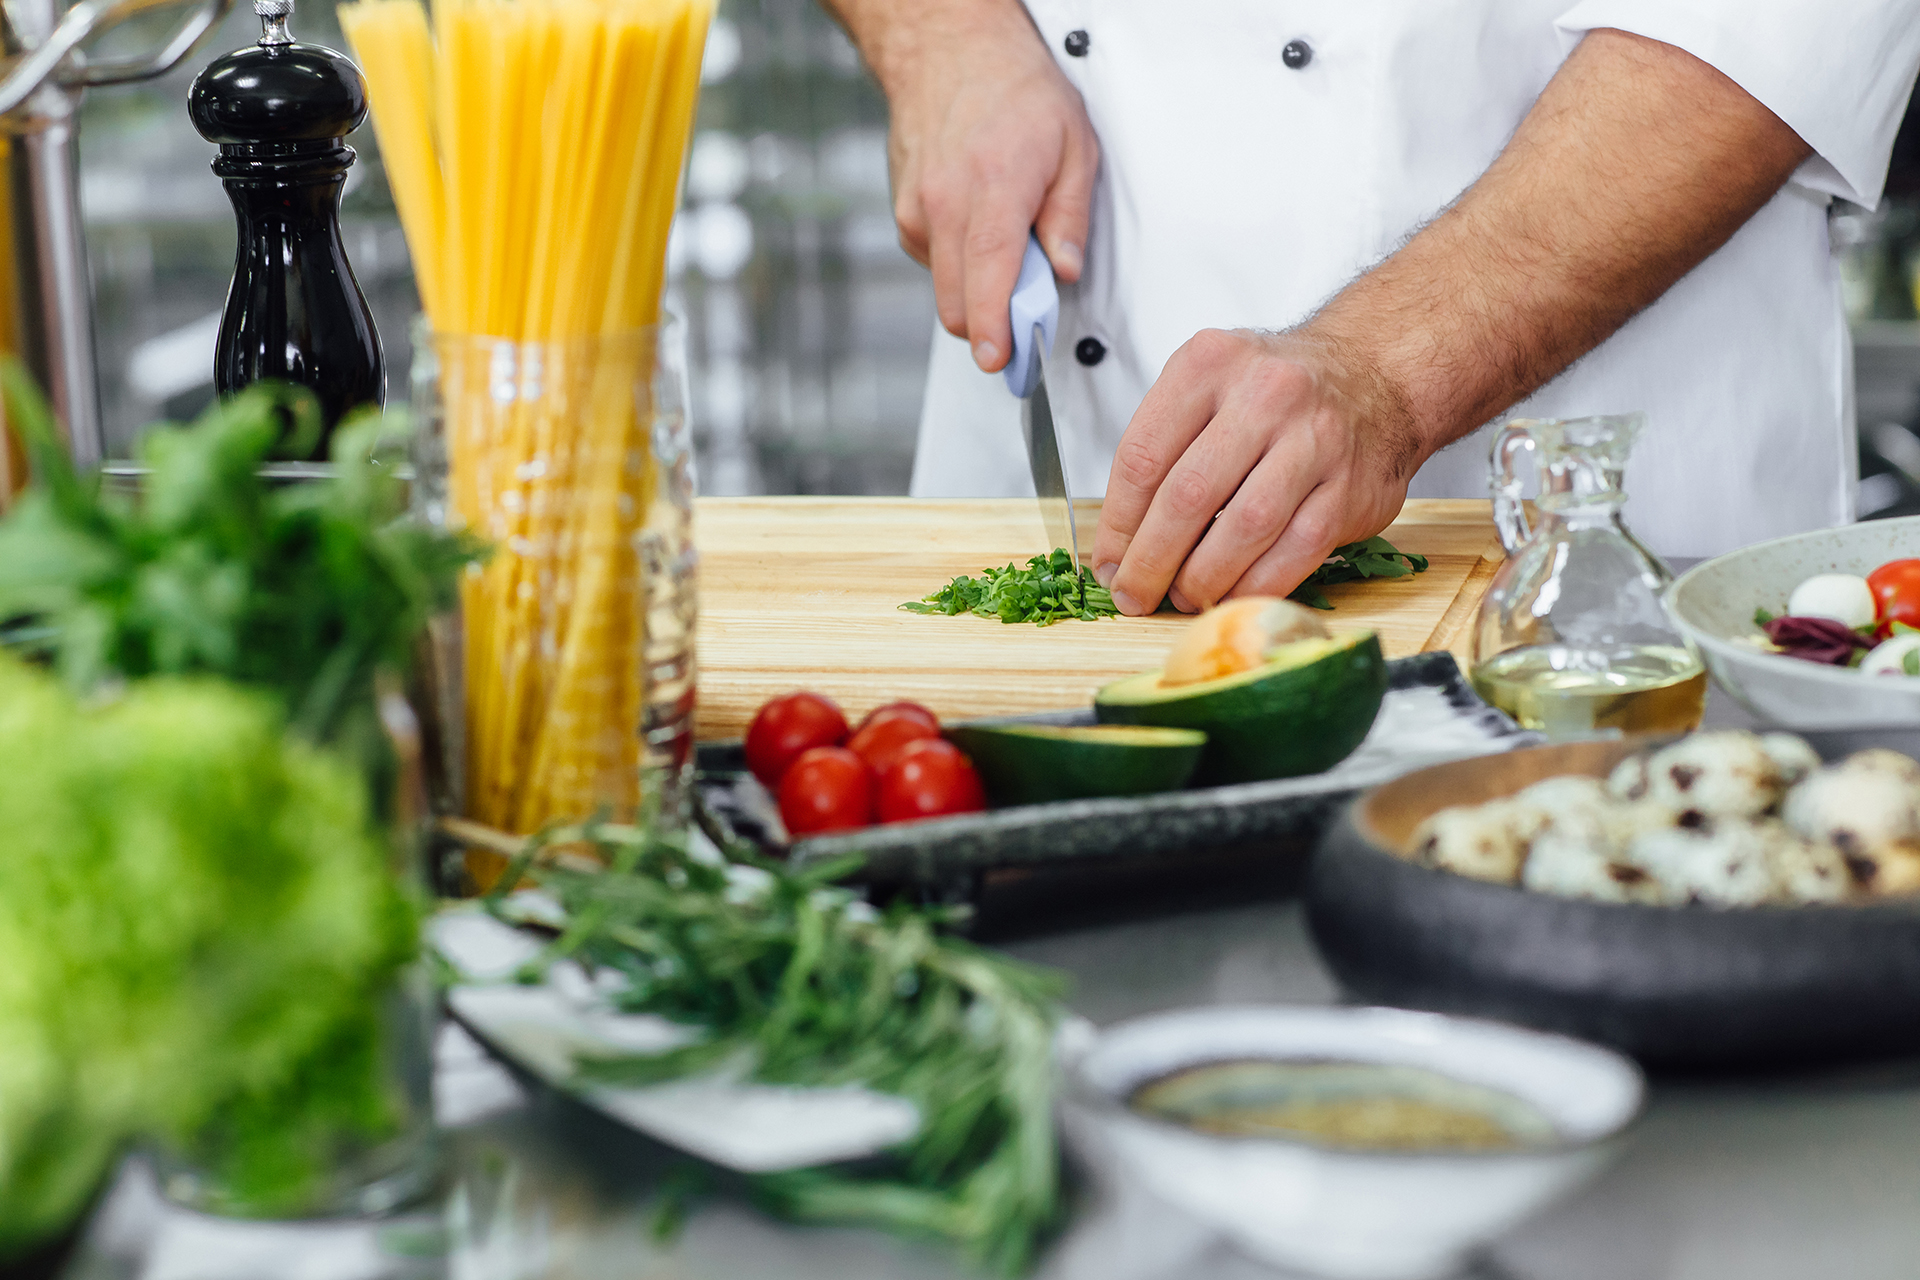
(1509, 514)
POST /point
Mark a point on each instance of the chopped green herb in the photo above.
(1910, 662)
(800, 983)
(1050, 588)
(1762, 616)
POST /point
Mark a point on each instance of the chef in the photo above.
(1310, 253)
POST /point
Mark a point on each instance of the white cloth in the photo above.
(1235, 191)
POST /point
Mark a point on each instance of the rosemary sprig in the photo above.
(810, 986)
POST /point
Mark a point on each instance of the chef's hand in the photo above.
(987, 140)
(1252, 457)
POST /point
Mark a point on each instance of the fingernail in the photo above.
(1125, 603)
(1180, 602)
(984, 352)
(1103, 573)
(1066, 257)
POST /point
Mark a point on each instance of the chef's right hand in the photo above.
(987, 140)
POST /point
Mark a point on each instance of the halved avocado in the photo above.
(1302, 711)
(1033, 764)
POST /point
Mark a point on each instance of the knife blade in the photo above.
(1035, 312)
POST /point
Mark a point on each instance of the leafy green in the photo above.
(305, 589)
(1050, 588)
(801, 984)
(196, 919)
(1910, 662)
(1762, 616)
(1373, 558)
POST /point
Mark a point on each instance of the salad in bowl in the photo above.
(1869, 623)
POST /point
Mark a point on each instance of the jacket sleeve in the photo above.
(1838, 72)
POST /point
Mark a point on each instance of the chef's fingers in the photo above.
(1003, 212)
(946, 208)
(1310, 537)
(910, 218)
(1062, 221)
(1268, 504)
(1181, 404)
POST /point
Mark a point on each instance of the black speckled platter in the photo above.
(1691, 988)
(1430, 714)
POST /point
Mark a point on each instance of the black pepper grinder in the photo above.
(281, 111)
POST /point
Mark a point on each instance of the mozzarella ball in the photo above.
(1710, 776)
(1485, 842)
(1843, 597)
(1725, 867)
(1790, 755)
(1857, 808)
(1890, 657)
(1572, 867)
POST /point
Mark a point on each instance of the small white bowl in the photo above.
(1713, 605)
(1338, 1211)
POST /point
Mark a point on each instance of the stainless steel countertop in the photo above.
(1766, 1180)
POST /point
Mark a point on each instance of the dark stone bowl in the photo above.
(1690, 988)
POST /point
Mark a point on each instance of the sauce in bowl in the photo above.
(1368, 1106)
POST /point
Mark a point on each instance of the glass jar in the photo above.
(1572, 637)
(565, 688)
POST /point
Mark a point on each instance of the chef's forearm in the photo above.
(1637, 162)
(895, 36)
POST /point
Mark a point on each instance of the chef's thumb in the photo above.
(1062, 221)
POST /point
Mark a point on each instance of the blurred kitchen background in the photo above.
(808, 325)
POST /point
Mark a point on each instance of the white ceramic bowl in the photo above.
(1341, 1212)
(1713, 605)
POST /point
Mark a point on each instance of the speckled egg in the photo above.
(1857, 807)
(1486, 842)
(1804, 871)
(1574, 867)
(1726, 866)
(1791, 756)
(1884, 760)
(1711, 776)
(1888, 871)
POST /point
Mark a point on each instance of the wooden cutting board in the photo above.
(805, 593)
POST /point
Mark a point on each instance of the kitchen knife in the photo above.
(1035, 311)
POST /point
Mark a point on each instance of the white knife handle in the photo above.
(1036, 301)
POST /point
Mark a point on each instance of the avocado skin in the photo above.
(1284, 725)
(1020, 769)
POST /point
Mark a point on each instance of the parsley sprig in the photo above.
(1373, 558)
(1050, 588)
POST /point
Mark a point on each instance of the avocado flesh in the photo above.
(1301, 712)
(1036, 764)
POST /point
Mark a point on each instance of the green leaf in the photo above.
(1762, 616)
(1910, 662)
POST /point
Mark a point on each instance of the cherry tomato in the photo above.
(826, 789)
(1896, 594)
(887, 730)
(895, 709)
(788, 725)
(927, 779)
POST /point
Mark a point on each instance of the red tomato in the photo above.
(826, 789)
(886, 731)
(927, 779)
(788, 725)
(896, 709)
(1896, 593)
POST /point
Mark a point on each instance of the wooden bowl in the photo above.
(1695, 987)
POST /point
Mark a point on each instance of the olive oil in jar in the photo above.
(1567, 693)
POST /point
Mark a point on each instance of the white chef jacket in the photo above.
(1238, 191)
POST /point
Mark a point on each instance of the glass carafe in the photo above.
(1572, 638)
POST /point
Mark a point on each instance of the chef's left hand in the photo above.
(1252, 457)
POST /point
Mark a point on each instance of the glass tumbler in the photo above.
(565, 687)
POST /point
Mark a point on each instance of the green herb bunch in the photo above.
(1053, 587)
(1050, 588)
(796, 982)
(306, 589)
(1373, 558)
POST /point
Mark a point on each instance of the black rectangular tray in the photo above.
(1431, 715)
